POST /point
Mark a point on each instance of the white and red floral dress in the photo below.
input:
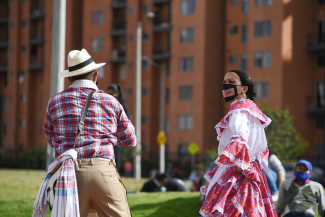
(233, 192)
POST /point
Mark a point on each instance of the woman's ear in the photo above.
(245, 89)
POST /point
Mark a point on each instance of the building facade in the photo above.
(195, 41)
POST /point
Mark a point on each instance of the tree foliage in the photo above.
(283, 139)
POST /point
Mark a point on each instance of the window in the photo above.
(144, 119)
(130, 65)
(185, 122)
(101, 72)
(22, 122)
(122, 72)
(23, 1)
(98, 17)
(243, 62)
(145, 64)
(262, 59)
(145, 91)
(260, 3)
(245, 6)
(167, 124)
(97, 44)
(233, 59)
(12, 24)
(23, 48)
(262, 89)
(132, 10)
(233, 30)
(130, 92)
(187, 7)
(320, 60)
(23, 23)
(244, 33)
(4, 128)
(187, 35)
(146, 8)
(234, 2)
(185, 93)
(167, 96)
(262, 28)
(131, 37)
(22, 98)
(145, 37)
(5, 103)
(186, 64)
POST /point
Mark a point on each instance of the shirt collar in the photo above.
(83, 83)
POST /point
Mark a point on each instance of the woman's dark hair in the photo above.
(246, 81)
(118, 89)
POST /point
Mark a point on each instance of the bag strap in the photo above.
(83, 116)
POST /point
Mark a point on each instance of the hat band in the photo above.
(81, 65)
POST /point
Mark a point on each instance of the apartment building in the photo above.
(279, 43)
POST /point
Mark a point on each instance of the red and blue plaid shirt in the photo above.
(106, 123)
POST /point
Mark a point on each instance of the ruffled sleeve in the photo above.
(236, 152)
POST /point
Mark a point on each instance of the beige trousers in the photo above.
(100, 187)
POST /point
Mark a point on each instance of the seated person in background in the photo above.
(275, 175)
(300, 196)
(196, 177)
(152, 185)
(172, 184)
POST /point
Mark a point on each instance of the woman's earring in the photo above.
(222, 101)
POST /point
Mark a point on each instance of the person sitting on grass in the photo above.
(172, 184)
(152, 185)
(301, 196)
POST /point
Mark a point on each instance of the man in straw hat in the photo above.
(106, 125)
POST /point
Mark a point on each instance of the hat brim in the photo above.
(67, 73)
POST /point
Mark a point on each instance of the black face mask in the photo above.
(234, 90)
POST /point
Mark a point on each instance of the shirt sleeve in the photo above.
(280, 205)
(48, 127)
(276, 165)
(125, 130)
(321, 199)
(236, 152)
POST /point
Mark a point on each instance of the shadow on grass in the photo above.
(171, 208)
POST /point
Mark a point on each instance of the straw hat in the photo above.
(80, 62)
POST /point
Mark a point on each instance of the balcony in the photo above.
(36, 37)
(316, 43)
(37, 12)
(315, 104)
(118, 55)
(36, 63)
(161, 23)
(118, 4)
(159, 54)
(161, 1)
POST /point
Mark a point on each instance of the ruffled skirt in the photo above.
(238, 193)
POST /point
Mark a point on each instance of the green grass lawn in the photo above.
(18, 190)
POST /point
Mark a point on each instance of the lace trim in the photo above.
(221, 126)
(237, 205)
(238, 162)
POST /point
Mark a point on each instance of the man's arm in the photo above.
(48, 127)
(320, 199)
(280, 205)
(276, 165)
(125, 130)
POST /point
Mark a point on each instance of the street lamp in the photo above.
(162, 107)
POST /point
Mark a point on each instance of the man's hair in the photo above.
(87, 76)
(161, 176)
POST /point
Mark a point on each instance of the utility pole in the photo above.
(137, 160)
(162, 115)
(57, 58)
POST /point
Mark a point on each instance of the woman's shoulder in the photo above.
(246, 107)
(251, 109)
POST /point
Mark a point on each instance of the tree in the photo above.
(283, 139)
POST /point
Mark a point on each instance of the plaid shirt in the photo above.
(106, 123)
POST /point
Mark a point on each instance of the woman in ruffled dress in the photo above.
(237, 185)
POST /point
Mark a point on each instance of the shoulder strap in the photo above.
(83, 116)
